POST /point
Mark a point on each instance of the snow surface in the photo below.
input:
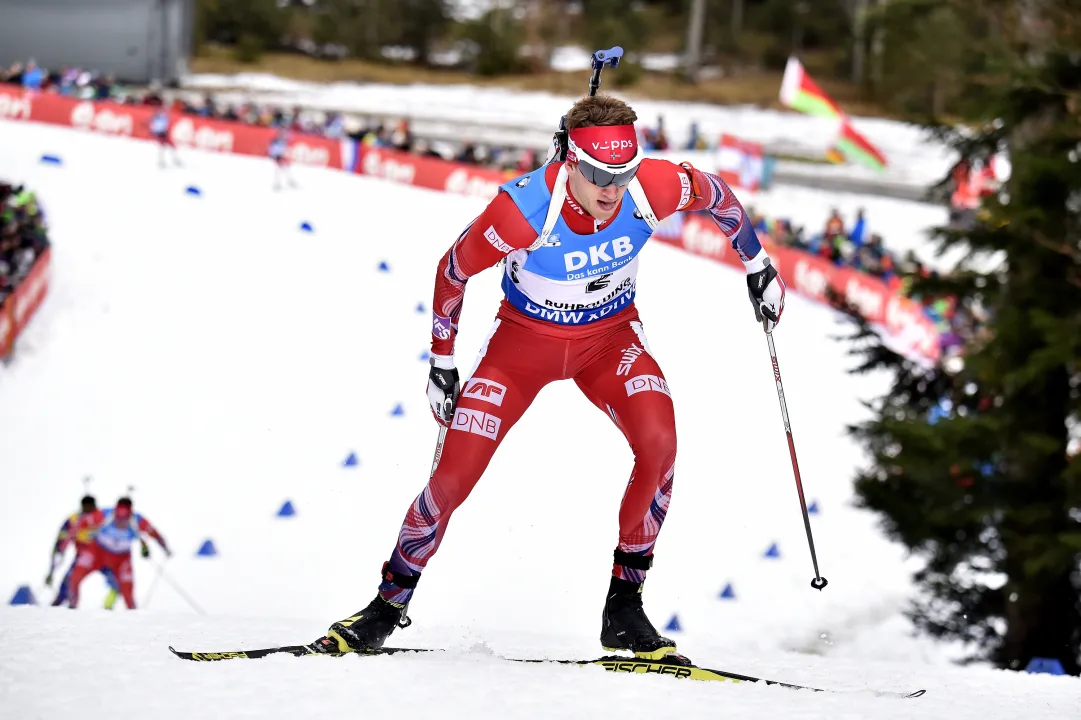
(914, 158)
(108, 662)
(208, 353)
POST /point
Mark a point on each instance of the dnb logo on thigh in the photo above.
(476, 422)
(646, 383)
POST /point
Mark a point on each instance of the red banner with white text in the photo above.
(31, 292)
(186, 131)
(19, 307)
(7, 327)
(901, 320)
(430, 172)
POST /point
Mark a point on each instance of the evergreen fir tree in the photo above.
(975, 465)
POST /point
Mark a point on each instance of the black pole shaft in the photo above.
(819, 582)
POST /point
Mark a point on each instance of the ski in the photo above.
(295, 650)
(680, 668)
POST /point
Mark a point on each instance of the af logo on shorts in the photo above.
(487, 390)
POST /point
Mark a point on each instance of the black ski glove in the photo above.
(443, 388)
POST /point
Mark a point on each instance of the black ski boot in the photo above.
(368, 629)
(624, 625)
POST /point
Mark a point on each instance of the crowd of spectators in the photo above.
(70, 82)
(856, 247)
(22, 235)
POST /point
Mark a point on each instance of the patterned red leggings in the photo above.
(610, 362)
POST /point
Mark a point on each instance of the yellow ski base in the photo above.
(634, 665)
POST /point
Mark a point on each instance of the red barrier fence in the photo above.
(190, 131)
(901, 320)
(430, 172)
(19, 307)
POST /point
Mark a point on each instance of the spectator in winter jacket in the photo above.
(858, 230)
(834, 225)
(33, 76)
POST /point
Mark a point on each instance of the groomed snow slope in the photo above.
(206, 352)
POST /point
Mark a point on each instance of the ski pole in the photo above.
(818, 582)
(438, 449)
(153, 585)
(179, 590)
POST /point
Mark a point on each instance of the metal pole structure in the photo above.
(164, 56)
(693, 57)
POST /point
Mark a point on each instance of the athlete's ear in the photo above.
(697, 178)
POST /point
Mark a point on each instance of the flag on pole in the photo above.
(800, 92)
(855, 148)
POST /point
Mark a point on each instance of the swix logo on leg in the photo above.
(487, 390)
(476, 422)
(646, 383)
(629, 356)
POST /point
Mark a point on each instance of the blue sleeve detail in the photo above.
(746, 243)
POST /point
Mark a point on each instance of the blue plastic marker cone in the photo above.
(51, 160)
(728, 593)
(813, 508)
(398, 410)
(425, 356)
(193, 191)
(773, 552)
(287, 509)
(207, 549)
(673, 625)
(351, 461)
(421, 309)
(23, 596)
(383, 267)
(1049, 666)
(306, 227)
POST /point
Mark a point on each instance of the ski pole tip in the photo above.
(819, 582)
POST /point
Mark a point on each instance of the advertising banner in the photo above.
(30, 293)
(902, 320)
(430, 172)
(7, 328)
(186, 131)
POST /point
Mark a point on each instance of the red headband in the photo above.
(607, 144)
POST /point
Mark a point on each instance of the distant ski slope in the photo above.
(205, 351)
